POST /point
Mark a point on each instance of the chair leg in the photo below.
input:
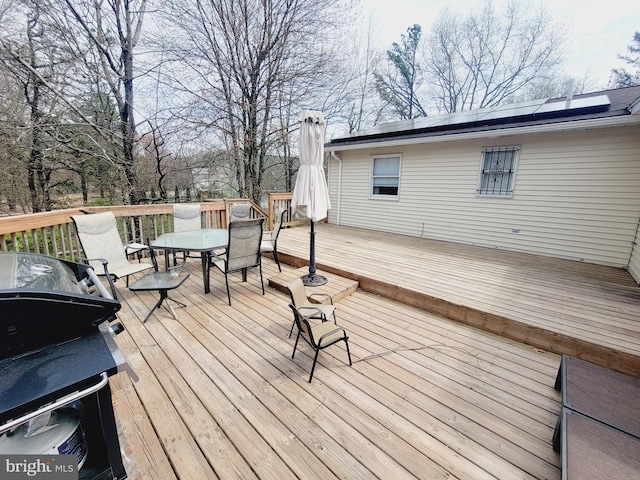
(292, 325)
(295, 346)
(313, 367)
(346, 341)
(226, 279)
(261, 280)
(275, 257)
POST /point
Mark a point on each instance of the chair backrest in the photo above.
(297, 292)
(277, 226)
(240, 211)
(301, 322)
(99, 236)
(243, 250)
(186, 217)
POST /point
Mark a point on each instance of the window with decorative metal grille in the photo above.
(498, 171)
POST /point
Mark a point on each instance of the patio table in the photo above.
(205, 241)
(163, 282)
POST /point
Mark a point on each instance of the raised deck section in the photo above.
(566, 307)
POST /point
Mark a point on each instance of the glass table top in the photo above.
(160, 281)
(193, 240)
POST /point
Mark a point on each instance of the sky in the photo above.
(599, 30)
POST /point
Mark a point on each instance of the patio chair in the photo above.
(306, 305)
(186, 217)
(269, 243)
(243, 251)
(318, 336)
(239, 212)
(99, 238)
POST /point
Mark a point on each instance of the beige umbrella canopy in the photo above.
(310, 194)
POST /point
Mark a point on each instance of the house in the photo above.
(554, 177)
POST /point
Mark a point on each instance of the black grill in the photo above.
(56, 348)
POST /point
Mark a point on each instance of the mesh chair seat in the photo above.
(186, 216)
(243, 251)
(240, 212)
(99, 237)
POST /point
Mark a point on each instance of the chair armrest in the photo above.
(322, 295)
(316, 311)
(135, 247)
(330, 333)
(217, 255)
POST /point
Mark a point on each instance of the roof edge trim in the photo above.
(627, 120)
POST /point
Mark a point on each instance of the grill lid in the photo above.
(45, 300)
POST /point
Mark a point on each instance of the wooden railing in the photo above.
(53, 233)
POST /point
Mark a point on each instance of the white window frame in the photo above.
(498, 171)
(372, 178)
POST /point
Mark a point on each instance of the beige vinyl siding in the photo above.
(634, 262)
(576, 195)
(333, 184)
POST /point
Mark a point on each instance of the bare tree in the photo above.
(29, 55)
(13, 145)
(112, 28)
(359, 103)
(243, 62)
(486, 57)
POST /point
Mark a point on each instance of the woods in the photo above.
(129, 101)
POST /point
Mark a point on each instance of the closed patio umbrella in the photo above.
(310, 194)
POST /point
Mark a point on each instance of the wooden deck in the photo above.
(587, 311)
(219, 396)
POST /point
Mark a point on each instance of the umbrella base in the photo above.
(313, 280)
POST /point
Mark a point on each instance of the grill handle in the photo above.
(57, 404)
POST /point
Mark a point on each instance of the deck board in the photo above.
(219, 396)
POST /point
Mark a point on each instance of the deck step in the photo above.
(336, 286)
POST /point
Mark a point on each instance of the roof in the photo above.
(603, 108)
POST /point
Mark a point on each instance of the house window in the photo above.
(385, 176)
(498, 171)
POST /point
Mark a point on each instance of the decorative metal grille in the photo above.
(498, 171)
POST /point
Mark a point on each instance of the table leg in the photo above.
(169, 307)
(164, 297)
(154, 308)
(205, 270)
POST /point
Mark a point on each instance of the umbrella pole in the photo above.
(313, 280)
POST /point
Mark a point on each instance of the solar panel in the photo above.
(575, 104)
(510, 110)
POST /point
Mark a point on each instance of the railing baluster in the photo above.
(25, 232)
